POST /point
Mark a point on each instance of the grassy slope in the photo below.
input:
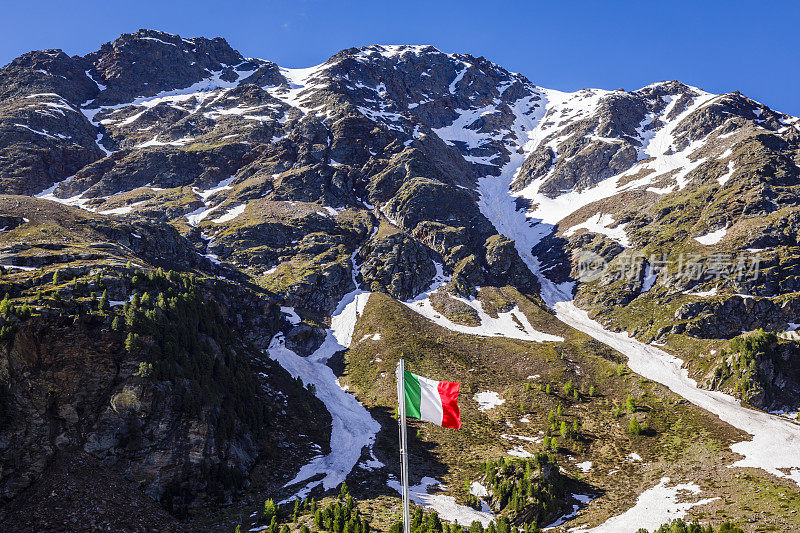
(684, 442)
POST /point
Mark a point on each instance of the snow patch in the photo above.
(712, 238)
(654, 507)
(230, 214)
(650, 277)
(446, 506)
(477, 489)
(728, 174)
(512, 324)
(488, 400)
(600, 223)
(293, 317)
(704, 294)
(519, 451)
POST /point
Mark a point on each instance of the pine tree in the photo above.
(131, 343)
(296, 511)
(634, 428)
(270, 510)
(630, 404)
(105, 307)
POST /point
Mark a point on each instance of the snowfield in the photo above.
(353, 427)
(512, 324)
(230, 214)
(601, 223)
(654, 507)
(446, 506)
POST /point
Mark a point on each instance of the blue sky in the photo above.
(753, 47)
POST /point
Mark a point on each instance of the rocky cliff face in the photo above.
(133, 367)
(385, 167)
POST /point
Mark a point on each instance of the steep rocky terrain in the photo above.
(198, 248)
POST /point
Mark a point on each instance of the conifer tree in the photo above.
(296, 511)
(105, 306)
(269, 511)
(630, 404)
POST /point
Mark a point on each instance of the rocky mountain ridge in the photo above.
(433, 178)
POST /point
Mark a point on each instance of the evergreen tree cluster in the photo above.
(184, 339)
(11, 315)
(520, 488)
(339, 516)
(431, 523)
(746, 353)
(679, 526)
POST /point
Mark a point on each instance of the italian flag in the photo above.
(432, 401)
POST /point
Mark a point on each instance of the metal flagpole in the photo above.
(401, 404)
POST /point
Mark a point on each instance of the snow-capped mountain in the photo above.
(440, 185)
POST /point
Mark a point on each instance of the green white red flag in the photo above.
(432, 401)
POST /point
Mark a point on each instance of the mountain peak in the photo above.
(183, 212)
